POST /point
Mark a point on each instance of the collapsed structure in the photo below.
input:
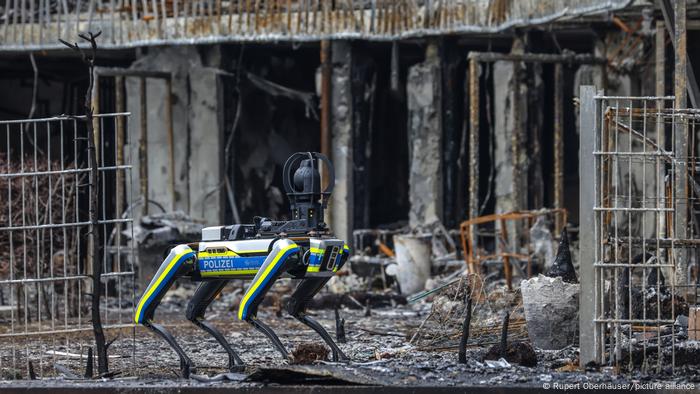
(467, 135)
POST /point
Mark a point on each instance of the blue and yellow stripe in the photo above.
(181, 254)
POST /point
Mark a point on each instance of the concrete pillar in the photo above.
(178, 60)
(503, 98)
(196, 129)
(511, 151)
(341, 205)
(424, 94)
(206, 146)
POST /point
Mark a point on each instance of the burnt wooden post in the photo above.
(94, 198)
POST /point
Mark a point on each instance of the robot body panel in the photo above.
(231, 259)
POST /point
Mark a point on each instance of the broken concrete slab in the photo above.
(551, 311)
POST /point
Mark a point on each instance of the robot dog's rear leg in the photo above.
(176, 264)
(277, 262)
(305, 291)
(205, 294)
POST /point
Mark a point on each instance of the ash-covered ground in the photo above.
(393, 346)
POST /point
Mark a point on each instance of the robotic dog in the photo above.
(301, 248)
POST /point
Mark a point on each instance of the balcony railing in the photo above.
(37, 24)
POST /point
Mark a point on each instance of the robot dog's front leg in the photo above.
(178, 263)
(277, 262)
(305, 291)
(205, 294)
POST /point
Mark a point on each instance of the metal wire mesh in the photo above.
(646, 230)
(45, 287)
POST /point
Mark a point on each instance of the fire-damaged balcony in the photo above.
(38, 24)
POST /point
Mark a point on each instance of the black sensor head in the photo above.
(307, 199)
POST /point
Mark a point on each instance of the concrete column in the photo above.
(503, 98)
(423, 90)
(198, 142)
(511, 150)
(177, 60)
(341, 205)
(589, 347)
(206, 146)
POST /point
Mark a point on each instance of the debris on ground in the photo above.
(309, 353)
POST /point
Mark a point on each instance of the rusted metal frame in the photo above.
(513, 216)
(558, 142)
(468, 233)
(504, 254)
(671, 25)
(506, 259)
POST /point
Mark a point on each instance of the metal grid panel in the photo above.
(45, 287)
(37, 24)
(645, 230)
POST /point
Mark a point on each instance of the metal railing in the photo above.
(645, 230)
(38, 24)
(45, 267)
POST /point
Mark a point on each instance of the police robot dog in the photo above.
(302, 248)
